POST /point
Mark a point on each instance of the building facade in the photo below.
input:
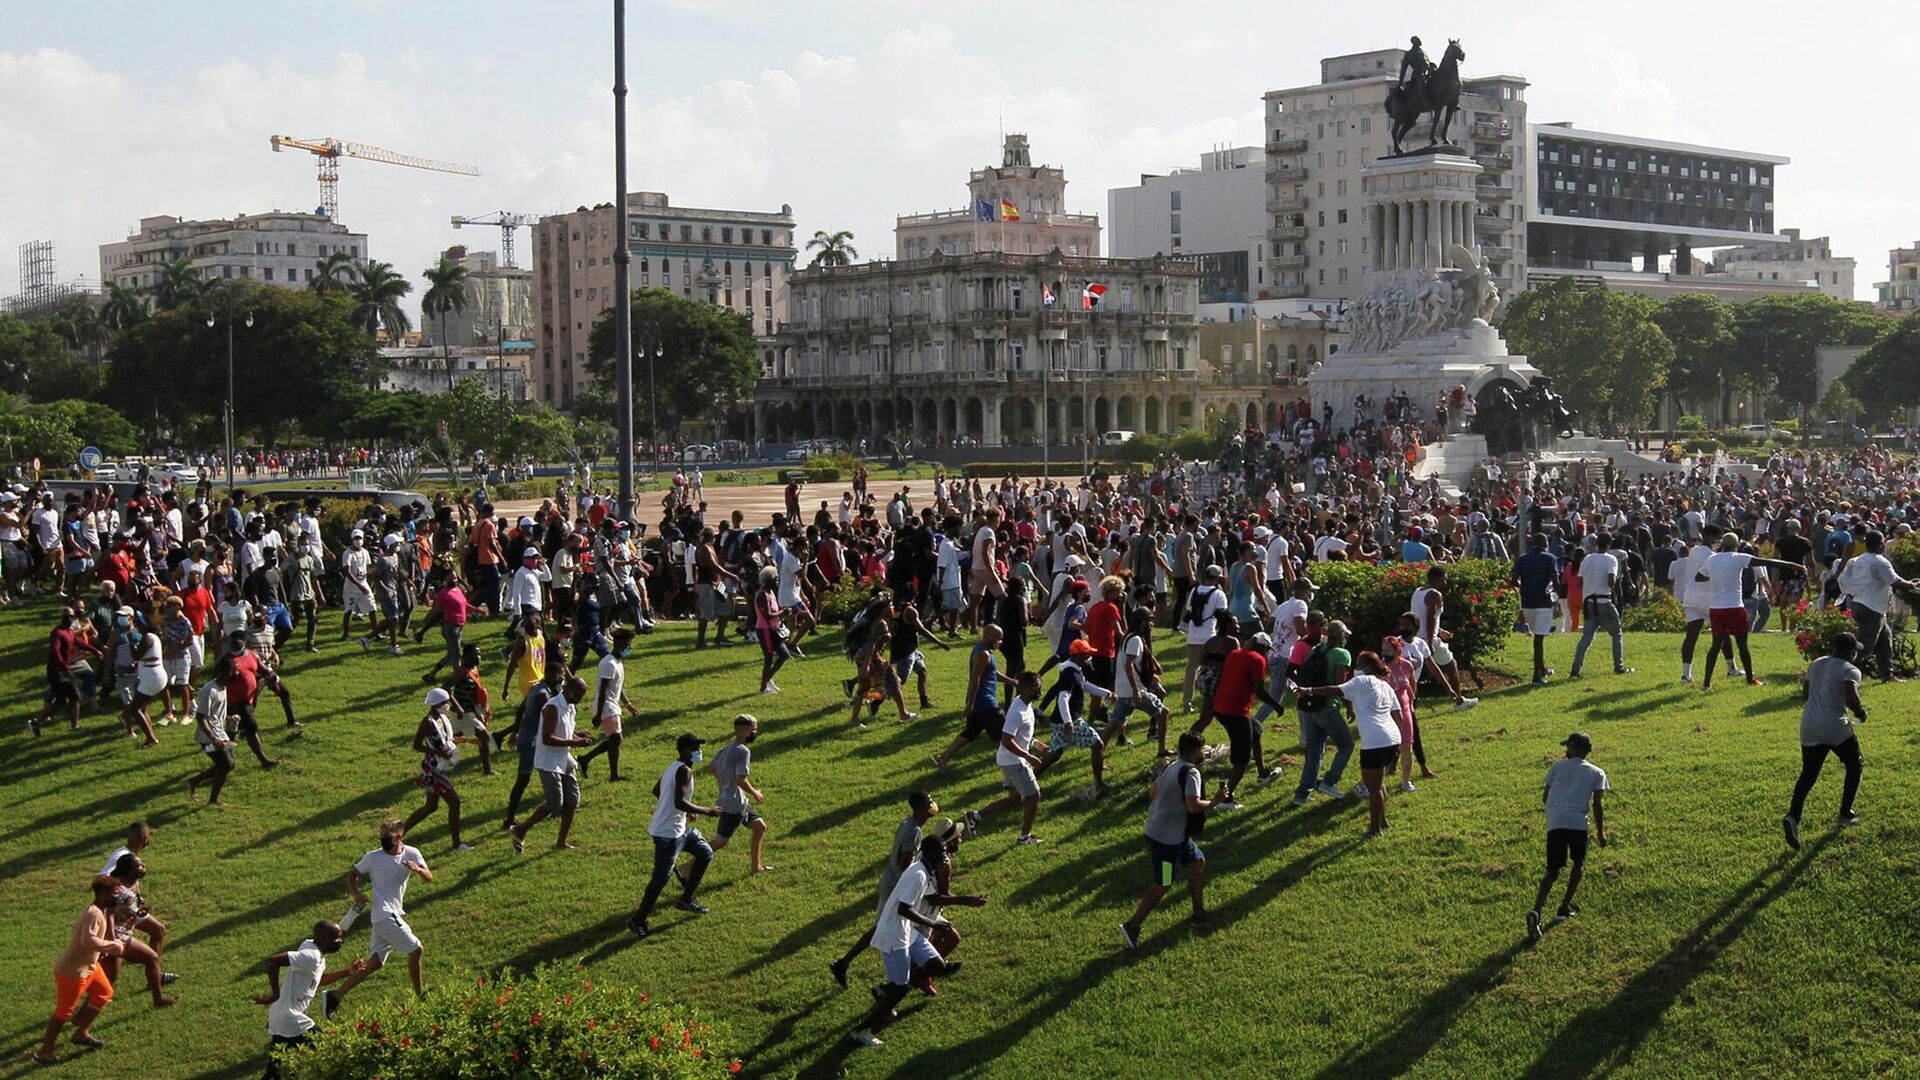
(276, 248)
(738, 259)
(1900, 293)
(1798, 261)
(499, 302)
(423, 369)
(1268, 358)
(1038, 221)
(1214, 215)
(1320, 237)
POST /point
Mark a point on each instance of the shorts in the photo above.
(433, 782)
(1728, 621)
(219, 757)
(984, 583)
(1563, 844)
(610, 724)
(668, 849)
(60, 690)
(390, 934)
(389, 605)
(899, 963)
(1149, 703)
(562, 790)
(773, 646)
(1100, 671)
(242, 712)
(909, 664)
(1080, 736)
(355, 602)
(981, 721)
(177, 667)
(95, 989)
(1019, 779)
(279, 618)
(14, 556)
(1539, 620)
(468, 722)
(150, 681)
(196, 652)
(1696, 612)
(1165, 859)
(1442, 652)
(1206, 679)
(528, 743)
(714, 604)
(1380, 757)
(951, 600)
(730, 822)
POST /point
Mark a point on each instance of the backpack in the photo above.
(1197, 602)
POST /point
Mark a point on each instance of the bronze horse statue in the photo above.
(1438, 94)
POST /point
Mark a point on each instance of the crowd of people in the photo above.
(1063, 596)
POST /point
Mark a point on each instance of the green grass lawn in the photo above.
(1704, 948)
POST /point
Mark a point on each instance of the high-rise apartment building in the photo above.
(1320, 136)
(1796, 262)
(738, 259)
(1901, 291)
(1214, 216)
(277, 248)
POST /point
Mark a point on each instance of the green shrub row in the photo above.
(1482, 605)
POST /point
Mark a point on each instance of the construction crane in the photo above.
(328, 151)
(508, 221)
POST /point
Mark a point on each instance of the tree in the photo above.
(836, 248)
(475, 418)
(708, 365)
(1888, 373)
(26, 435)
(177, 285)
(1706, 365)
(92, 423)
(376, 291)
(78, 325)
(124, 307)
(1607, 355)
(446, 293)
(26, 350)
(333, 273)
(1785, 332)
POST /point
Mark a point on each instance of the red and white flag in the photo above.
(1090, 296)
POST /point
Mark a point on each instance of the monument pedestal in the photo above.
(1422, 369)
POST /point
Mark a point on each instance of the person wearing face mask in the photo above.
(356, 593)
(609, 702)
(287, 1002)
(434, 741)
(389, 867)
(559, 773)
(901, 935)
(672, 835)
(731, 766)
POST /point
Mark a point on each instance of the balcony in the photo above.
(1287, 146)
(1490, 223)
(1286, 174)
(1497, 252)
(1287, 232)
(1286, 204)
(1287, 262)
(1493, 192)
(1492, 130)
(1495, 162)
(1286, 292)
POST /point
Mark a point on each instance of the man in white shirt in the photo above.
(306, 972)
(1720, 574)
(1279, 560)
(1693, 598)
(1196, 616)
(900, 934)
(389, 867)
(1867, 581)
(356, 593)
(1598, 574)
(1017, 761)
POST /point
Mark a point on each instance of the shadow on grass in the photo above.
(1605, 1035)
(815, 932)
(321, 819)
(1424, 1024)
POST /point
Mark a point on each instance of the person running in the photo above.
(1429, 605)
(921, 808)
(1376, 713)
(288, 1024)
(731, 766)
(610, 703)
(983, 696)
(64, 649)
(1326, 664)
(356, 590)
(78, 975)
(1694, 600)
(130, 913)
(1573, 783)
(1197, 614)
(1072, 729)
(1176, 815)
(1136, 683)
(1534, 574)
(525, 731)
(434, 741)
(450, 611)
(673, 835)
(900, 936)
(526, 663)
(770, 629)
(1832, 690)
(244, 672)
(559, 773)
(389, 868)
(1727, 610)
(150, 677)
(1599, 576)
(1018, 761)
(1243, 677)
(210, 731)
(471, 715)
(904, 654)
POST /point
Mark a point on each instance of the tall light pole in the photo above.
(227, 294)
(653, 403)
(622, 269)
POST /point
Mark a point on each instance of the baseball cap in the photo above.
(1262, 641)
(390, 540)
(1212, 572)
(1080, 647)
(124, 612)
(437, 696)
(1073, 562)
(524, 520)
(530, 555)
(687, 742)
(1261, 532)
(1577, 741)
(356, 535)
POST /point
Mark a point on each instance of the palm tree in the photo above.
(836, 249)
(376, 291)
(78, 326)
(446, 292)
(332, 273)
(124, 308)
(177, 285)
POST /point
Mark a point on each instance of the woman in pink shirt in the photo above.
(1404, 680)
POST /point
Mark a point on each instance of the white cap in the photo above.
(356, 535)
(526, 520)
(437, 696)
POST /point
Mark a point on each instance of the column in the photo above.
(990, 421)
(1403, 243)
(1433, 232)
(940, 420)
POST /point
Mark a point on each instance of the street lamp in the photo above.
(653, 403)
(227, 311)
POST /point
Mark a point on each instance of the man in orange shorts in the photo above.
(77, 974)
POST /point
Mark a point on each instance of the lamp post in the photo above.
(211, 318)
(653, 403)
(622, 268)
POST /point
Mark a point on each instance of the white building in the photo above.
(1900, 293)
(1796, 262)
(424, 369)
(277, 248)
(1016, 206)
(1214, 215)
(499, 299)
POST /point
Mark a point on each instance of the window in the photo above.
(1366, 125)
(1322, 219)
(1340, 217)
(686, 234)
(640, 229)
(726, 235)
(1174, 201)
(1340, 157)
(766, 237)
(1343, 251)
(267, 273)
(1175, 226)
(706, 234)
(1323, 247)
(1323, 277)
(1343, 275)
(1340, 187)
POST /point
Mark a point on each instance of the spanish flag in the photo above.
(1008, 211)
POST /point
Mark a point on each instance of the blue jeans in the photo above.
(1759, 609)
(1600, 614)
(1316, 727)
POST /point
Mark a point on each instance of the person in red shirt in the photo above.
(1104, 622)
(196, 603)
(243, 685)
(64, 646)
(1243, 677)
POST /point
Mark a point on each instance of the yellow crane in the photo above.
(328, 151)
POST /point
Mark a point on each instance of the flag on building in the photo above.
(982, 210)
(1046, 295)
(1090, 296)
(1008, 211)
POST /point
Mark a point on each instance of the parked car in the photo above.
(112, 470)
(1116, 438)
(182, 474)
(698, 452)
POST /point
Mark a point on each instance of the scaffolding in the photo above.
(41, 290)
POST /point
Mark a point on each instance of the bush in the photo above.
(1481, 606)
(1690, 425)
(1700, 446)
(1814, 629)
(1904, 553)
(1063, 466)
(842, 462)
(826, 475)
(1658, 614)
(551, 1022)
(841, 600)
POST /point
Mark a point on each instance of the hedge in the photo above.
(555, 1021)
(1482, 605)
(1660, 613)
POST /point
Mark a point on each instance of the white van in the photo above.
(1116, 438)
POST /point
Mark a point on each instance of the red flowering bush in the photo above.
(1482, 606)
(555, 1021)
(1814, 629)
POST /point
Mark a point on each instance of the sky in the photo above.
(853, 111)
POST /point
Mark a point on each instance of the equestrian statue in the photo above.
(1426, 88)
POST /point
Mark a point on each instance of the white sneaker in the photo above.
(866, 1038)
(463, 847)
(396, 651)
(1360, 791)
(1330, 791)
(1407, 786)
(1465, 703)
(354, 911)
(769, 690)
